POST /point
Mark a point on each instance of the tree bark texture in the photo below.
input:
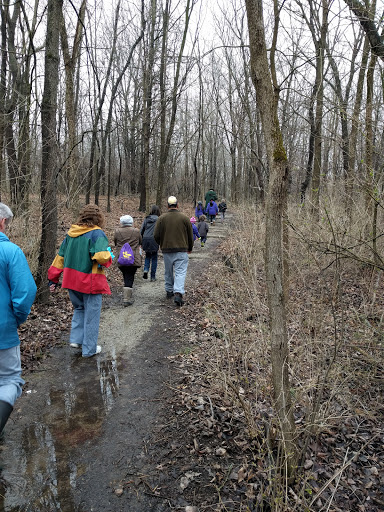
(49, 163)
(277, 190)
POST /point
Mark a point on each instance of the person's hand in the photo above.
(52, 287)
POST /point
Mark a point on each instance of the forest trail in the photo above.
(79, 433)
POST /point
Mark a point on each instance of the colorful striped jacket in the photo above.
(82, 257)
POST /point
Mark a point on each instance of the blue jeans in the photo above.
(151, 257)
(175, 271)
(10, 374)
(85, 320)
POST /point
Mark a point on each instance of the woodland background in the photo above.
(277, 105)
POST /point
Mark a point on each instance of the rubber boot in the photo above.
(127, 297)
(5, 411)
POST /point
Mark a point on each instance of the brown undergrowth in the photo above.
(221, 429)
(224, 402)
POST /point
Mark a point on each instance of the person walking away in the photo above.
(149, 244)
(212, 210)
(222, 209)
(211, 194)
(82, 259)
(17, 293)
(173, 232)
(199, 210)
(127, 233)
(203, 229)
(195, 231)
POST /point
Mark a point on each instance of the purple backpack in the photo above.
(126, 256)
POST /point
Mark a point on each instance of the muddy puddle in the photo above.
(78, 416)
(39, 458)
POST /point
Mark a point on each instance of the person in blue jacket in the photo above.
(199, 210)
(196, 235)
(212, 210)
(17, 293)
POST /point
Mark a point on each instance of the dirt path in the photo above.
(79, 432)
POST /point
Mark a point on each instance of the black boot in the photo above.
(5, 411)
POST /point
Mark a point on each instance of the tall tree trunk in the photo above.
(4, 6)
(311, 145)
(147, 105)
(318, 139)
(175, 93)
(93, 163)
(278, 166)
(70, 61)
(350, 178)
(369, 171)
(49, 156)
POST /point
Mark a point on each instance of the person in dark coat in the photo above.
(149, 244)
(222, 209)
(173, 232)
(211, 194)
(203, 230)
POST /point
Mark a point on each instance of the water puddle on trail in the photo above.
(41, 459)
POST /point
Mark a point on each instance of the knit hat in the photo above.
(126, 220)
(172, 200)
(192, 219)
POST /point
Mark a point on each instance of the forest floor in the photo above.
(154, 423)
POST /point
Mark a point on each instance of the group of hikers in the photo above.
(81, 261)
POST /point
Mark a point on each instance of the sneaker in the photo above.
(75, 345)
(178, 299)
(153, 279)
(169, 295)
(98, 350)
(202, 244)
(145, 275)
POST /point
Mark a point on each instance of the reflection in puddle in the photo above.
(39, 466)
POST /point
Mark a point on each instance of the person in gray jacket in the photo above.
(149, 244)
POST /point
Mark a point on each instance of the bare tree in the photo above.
(277, 189)
(362, 12)
(49, 164)
(71, 60)
(167, 133)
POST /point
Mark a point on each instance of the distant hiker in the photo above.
(212, 210)
(222, 209)
(17, 293)
(173, 232)
(150, 246)
(126, 233)
(211, 194)
(203, 228)
(199, 210)
(82, 258)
